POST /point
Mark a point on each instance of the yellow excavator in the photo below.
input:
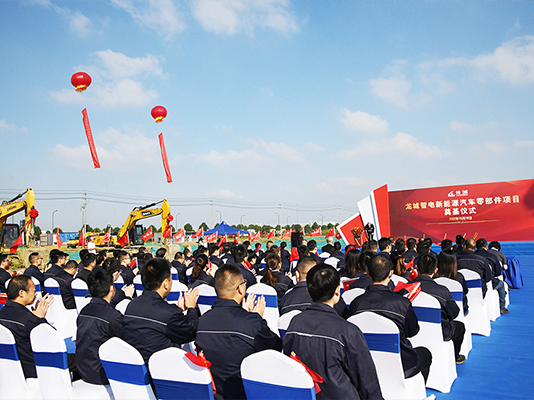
(9, 233)
(135, 230)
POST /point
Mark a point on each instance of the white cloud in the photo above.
(159, 15)
(11, 127)
(79, 24)
(521, 143)
(464, 126)
(459, 126)
(314, 147)
(278, 150)
(394, 148)
(339, 186)
(325, 189)
(231, 159)
(364, 122)
(121, 152)
(116, 81)
(222, 194)
(233, 16)
(392, 90)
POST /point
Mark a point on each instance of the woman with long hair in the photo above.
(448, 268)
(203, 272)
(351, 267)
(399, 266)
(363, 280)
(274, 276)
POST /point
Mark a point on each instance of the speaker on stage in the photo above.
(296, 239)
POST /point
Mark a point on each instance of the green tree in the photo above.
(297, 227)
(36, 231)
(307, 229)
(188, 227)
(266, 228)
(315, 225)
(204, 226)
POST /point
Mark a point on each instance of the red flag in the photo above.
(168, 231)
(270, 235)
(331, 232)
(294, 254)
(90, 140)
(123, 241)
(338, 236)
(286, 234)
(81, 239)
(178, 235)
(254, 236)
(199, 233)
(18, 242)
(236, 237)
(59, 242)
(201, 361)
(223, 240)
(212, 237)
(316, 232)
(133, 264)
(164, 158)
(107, 236)
(147, 235)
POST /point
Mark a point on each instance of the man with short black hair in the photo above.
(337, 254)
(427, 267)
(150, 323)
(381, 300)
(126, 271)
(89, 262)
(33, 270)
(113, 267)
(229, 332)
(329, 345)
(384, 245)
(161, 252)
(496, 268)
(312, 247)
(468, 259)
(240, 254)
(4, 275)
(373, 245)
(64, 279)
(181, 266)
(20, 321)
(58, 259)
(97, 322)
(410, 253)
(446, 244)
(213, 250)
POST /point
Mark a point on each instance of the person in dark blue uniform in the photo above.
(312, 247)
(275, 277)
(202, 273)
(4, 275)
(150, 323)
(475, 262)
(285, 257)
(89, 263)
(498, 285)
(452, 330)
(329, 345)
(384, 244)
(20, 321)
(240, 254)
(410, 253)
(181, 266)
(229, 332)
(58, 260)
(33, 270)
(363, 280)
(64, 278)
(97, 322)
(113, 267)
(337, 253)
(213, 250)
(381, 300)
(448, 268)
(126, 272)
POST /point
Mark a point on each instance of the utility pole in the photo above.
(84, 208)
(340, 213)
(280, 217)
(211, 213)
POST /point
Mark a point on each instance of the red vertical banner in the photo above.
(164, 158)
(90, 140)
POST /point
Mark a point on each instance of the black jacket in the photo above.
(336, 350)
(381, 300)
(35, 272)
(97, 322)
(84, 274)
(328, 248)
(227, 334)
(475, 262)
(65, 279)
(202, 279)
(20, 321)
(181, 268)
(409, 255)
(151, 324)
(362, 281)
(52, 271)
(4, 277)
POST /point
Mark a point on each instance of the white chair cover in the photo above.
(443, 368)
(396, 279)
(271, 313)
(184, 380)
(80, 289)
(126, 370)
(284, 320)
(53, 372)
(119, 283)
(38, 292)
(206, 297)
(492, 303)
(351, 294)
(383, 340)
(333, 261)
(122, 305)
(270, 374)
(478, 313)
(58, 316)
(457, 292)
(177, 288)
(138, 285)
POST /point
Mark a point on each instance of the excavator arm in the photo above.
(16, 205)
(146, 212)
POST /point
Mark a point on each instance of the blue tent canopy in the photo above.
(225, 229)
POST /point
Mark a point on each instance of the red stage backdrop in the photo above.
(495, 211)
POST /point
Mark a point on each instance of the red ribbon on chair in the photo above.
(314, 375)
(201, 361)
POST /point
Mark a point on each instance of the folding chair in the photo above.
(123, 304)
(14, 385)
(284, 321)
(351, 294)
(492, 303)
(174, 274)
(119, 283)
(396, 279)
(206, 297)
(126, 370)
(443, 368)
(457, 292)
(270, 375)
(58, 316)
(271, 313)
(478, 313)
(80, 289)
(184, 380)
(138, 285)
(332, 261)
(177, 288)
(383, 339)
(52, 368)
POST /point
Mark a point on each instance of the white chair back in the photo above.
(396, 279)
(332, 261)
(184, 380)
(443, 368)
(457, 292)
(122, 305)
(125, 370)
(174, 274)
(284, 320)
(80, 289)
(38, 292)
(271, 313)
(138, 285)
(12, 381)
(188, 272)
(324, 255)
(119, 283)
(58, 316)
(351, 294)
(383, 339)
(177, 288)
(270, 374)
(493, 305)
(206, 297)
(478, 313)
(9, 280)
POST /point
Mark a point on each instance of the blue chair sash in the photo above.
(426, 314)
(118, 285)
(282, 333)
(267, 391)
(134, 374)
(173, 296)
(206, 300)
(55, 360)
(457, 296)
(175, 277)
(139, 286)
(271, 300)
(475, 283)
(8, 352)
(387, 342)
(167, 390)
(79, 292)
(53, 290)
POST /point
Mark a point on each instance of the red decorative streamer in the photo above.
(164, 158)
(89, 135)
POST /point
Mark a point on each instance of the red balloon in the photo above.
(159, 113)
(81, 81)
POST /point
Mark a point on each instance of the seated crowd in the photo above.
(234, 327)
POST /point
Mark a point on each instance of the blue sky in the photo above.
(307, 104)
